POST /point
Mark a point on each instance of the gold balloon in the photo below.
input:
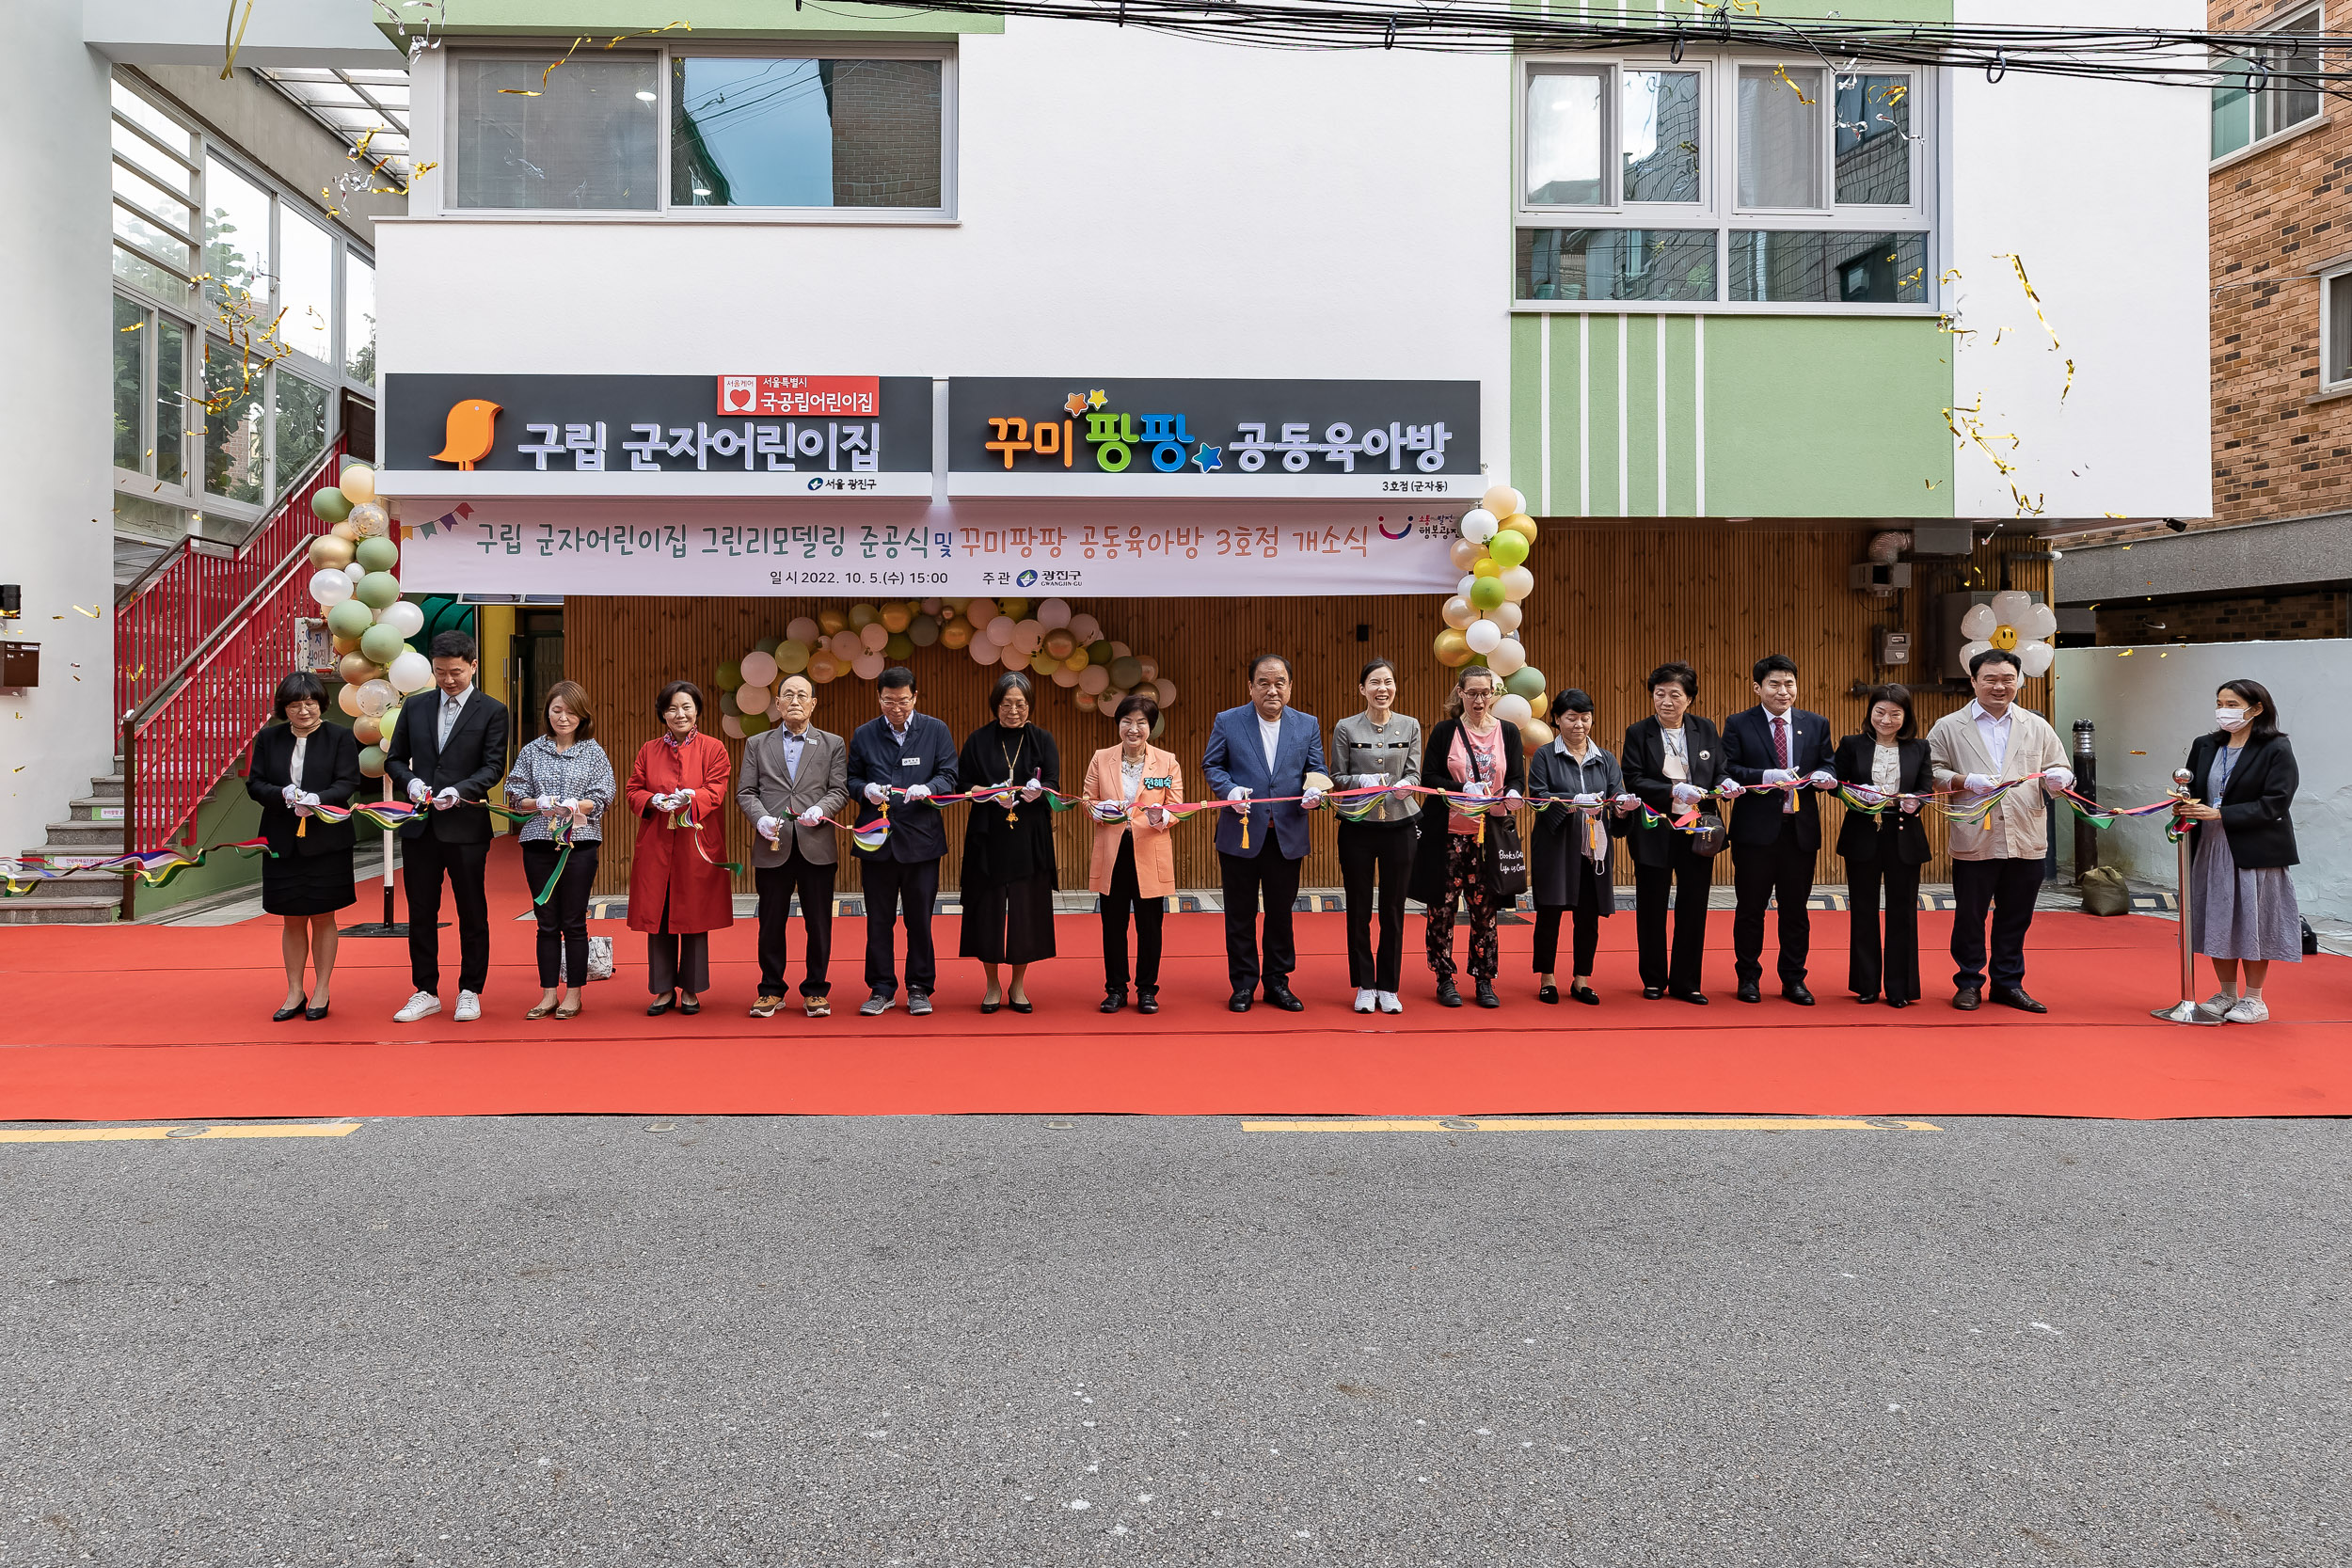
(346, 645)
(366, 731)
(956, 633)
(356, 670)
(347, 530)
(832, 620)
(1519, 522)
(896, 617)
(1451, 648)
(331, 553)
(1535, 735)
(1486, 567)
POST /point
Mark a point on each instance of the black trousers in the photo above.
(563, 918)
(777, 884)
(1247, 878)
(1761, 873)
(424, 860)
(1124, 899)
(1688, 877)
(1382, 850)
(895, 889)
(2008, 889)
(676, 960)
(1891, 965)
(1587, 911)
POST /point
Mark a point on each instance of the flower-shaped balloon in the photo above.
(2013, 624)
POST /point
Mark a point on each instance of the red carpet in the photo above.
(141, 1022)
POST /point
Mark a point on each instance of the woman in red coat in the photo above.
(678, 892)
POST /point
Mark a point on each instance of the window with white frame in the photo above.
(2335, 331)
(2271, 88)
(238, 314)
(1722, 180)
(695, 127)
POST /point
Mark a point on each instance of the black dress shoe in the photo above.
(1894, 1002)
(1969, 1000)
(1651, 993)
(657, 1009)
(2014, 996)
(1548, 996)
(1447, 995)
(1282, 997)
(1486, 997)
(283, 1014)
(1865, 998)
(1022, 1006)
(1240, 1003)
(1750, 991)
(990, 1007)
(1114, 999)
(1696, 998)
(1797, 993)
(1585, 994)
(1148, 1001)
(315, 1014)
(690, 1005)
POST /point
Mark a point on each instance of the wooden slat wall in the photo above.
(1610, 603)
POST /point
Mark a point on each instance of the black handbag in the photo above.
(1709, 835)
(1507, 859)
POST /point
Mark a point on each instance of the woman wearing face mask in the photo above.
(1473, 753)
(2241, 901)
(1377, 749)
(1569, 859)
(1886, 763)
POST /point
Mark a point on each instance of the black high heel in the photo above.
(990, 1007)
(315, 1014)
(283, 1014)
(657, 1009)
(1022, 1006)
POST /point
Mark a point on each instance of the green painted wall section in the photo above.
(1683, 416)
(227, 815)
(715, 19)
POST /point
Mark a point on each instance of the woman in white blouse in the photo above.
(1888, 768)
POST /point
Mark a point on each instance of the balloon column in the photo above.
(353, 579)
(2015, 624)
(1048, 639)
(1484, 618)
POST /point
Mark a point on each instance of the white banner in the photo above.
(859, 550)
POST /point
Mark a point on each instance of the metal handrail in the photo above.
(232, 624)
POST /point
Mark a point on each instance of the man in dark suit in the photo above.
(1672, 760)
(447, 749)
(1783, 754)
(900, 759)
(1263, 748)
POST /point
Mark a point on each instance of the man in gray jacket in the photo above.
(794, 778)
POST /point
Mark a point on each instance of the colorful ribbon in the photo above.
(24, 876)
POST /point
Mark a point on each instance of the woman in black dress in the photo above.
(1009, 870)
(299, 763)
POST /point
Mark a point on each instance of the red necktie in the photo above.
(1780, 755)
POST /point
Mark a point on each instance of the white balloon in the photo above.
(758, 669)
(2010, 605)
(1462, 589)
(2034, 657)
(1054, 615)
(867, 666)
(1000, 630)
(1978, 622)
(410, 672)
(754, 699)
(2040, 622)
(355, 571)
(1506, 615)
(1164, 692)
(1086, 628)
(405, 617)
(845, 646)
(1969, 651)
(873, 636)
(983, 651)
(804, 629)
(1517, 583)
(1513, 710)
(1484, 637)
(1478, 525)
(330, 588)
(731, 727)
(1506, 658)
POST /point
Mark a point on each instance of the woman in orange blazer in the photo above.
(1129, 787)
(677, 896)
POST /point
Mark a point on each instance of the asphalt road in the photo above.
(1016, 1340)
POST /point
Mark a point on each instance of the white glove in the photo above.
(309, 800)
(1156, 816)
(877, 793)
(547, 802)
(1108, 811)
(1823, 778)
(769, 829)
(1236, 795)
(1587, 802)
(1475, 789)
(1311, 797)
(1003, 797)
(1773, 776)
(1867, 796)
(2062, 777)
(1910, 805)
(918, 792)
(1405, 791)
(810, 818)
(1625, 803)
(1031, 790)
(1981, 783)
(1688, 794)
(292, 794)
(1511, 797)
(419, 791)
(1733, 788)
(446, 799)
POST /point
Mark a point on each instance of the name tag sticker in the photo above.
(910, 762)
(1159, 783)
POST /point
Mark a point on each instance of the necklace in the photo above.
(1013, 817)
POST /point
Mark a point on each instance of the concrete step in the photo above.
(80, 910)
(98, 808)
(107, 786)
(74, 884)
(84, 838)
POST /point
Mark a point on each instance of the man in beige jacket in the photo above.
(1996, 866)
(793, 779)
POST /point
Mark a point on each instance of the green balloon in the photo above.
(1509, 547)
(371, 762)
(900, 646)
(351, 618)
(1159, 726)
(378, 591)
(728, 706)
(330, 506)
(730, 675)
(1487, 592)
(1099, 651)
(1126, 672)
(923, 631)
(768, 644)
(754, 723)
(381, 644)
(862, 616)
(378, 555)
(1526, 681)
(791, 657)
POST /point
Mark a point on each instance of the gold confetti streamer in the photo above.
(233, 36)
(2026, 283)
(1782, 72)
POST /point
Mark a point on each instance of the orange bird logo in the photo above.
(473, 428)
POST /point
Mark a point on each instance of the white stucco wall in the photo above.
(2099, 187)
(56, 529)
(2157, 700)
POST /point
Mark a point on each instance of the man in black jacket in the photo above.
(447, 749)
(1783, 754)
(899, 760)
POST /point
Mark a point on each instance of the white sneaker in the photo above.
(2250, 1009)
(2217, 1004)
(423, 1005)
(1366, 1001)
(1390, 1001)
(468, 1006)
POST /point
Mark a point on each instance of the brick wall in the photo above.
(2270, 617)
(885, 133)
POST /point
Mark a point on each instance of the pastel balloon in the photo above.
(1086, 628)
(370, 760)
(1457, 613)
(1099, 652)
(1526, 681)
(1016, 608)
(2039, 621)
(378, 555)
(1094, 679)
(378, 591)
(331, 588)
(1065, 677)
(1517, 583)
(1164, 692)
(873, 638)
(1029, 635)
(1463, 587)
(1043, 663)
(411, 671)
(923, 631)
(2034, 657)
(1126, 672)
(757, 669)
(752, 724)
(350, 618)
(731, 727)
(932, 607)
(1464, 553)
(802, 629)
(980, 611)
(862, 615)
(330, 506)
(2010, 605)
(847, 646)
(754, 699)
(405, 617)
(1477, 524)
(358, 483)
(824, 666)
(899, 649)
(791, 657)
(381, 644)
(1502, 501)
(1482, 637)
(985, 650)
(1507, 616)
(1001, 629)
(1969, 651)
(868, 666)
(347, 698)
(1053, 613)
(1505, 655)
(1512, 710)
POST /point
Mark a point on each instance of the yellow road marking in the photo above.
(1583, 1124)
(127, 1135)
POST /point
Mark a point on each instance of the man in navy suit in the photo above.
(1263, 748)
(1775, 832)
(900, 759)
(447, 749)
